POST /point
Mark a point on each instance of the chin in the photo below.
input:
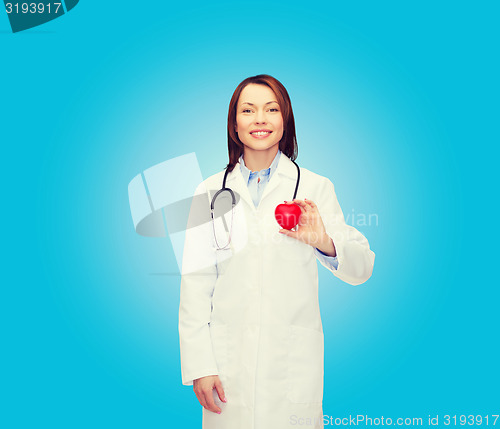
(262, 147)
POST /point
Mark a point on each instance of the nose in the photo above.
(260, 117)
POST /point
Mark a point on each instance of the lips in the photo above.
(260, 133)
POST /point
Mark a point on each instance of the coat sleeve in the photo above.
(328, 261)
(354, 257)
(199, 274)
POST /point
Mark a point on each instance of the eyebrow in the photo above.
(251, 104)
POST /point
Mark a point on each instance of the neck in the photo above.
(256, 160)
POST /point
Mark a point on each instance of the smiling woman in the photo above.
(250, 330)
(259, 123)
(260, 109)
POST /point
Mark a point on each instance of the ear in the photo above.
(235, 127)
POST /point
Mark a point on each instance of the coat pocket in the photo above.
(305, 365)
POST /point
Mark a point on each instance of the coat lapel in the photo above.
(285, 170)
(236, 182)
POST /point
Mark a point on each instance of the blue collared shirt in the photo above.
(256, 182)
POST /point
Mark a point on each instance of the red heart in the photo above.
(287, 215)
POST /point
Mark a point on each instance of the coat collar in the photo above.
(285, 169)
(246, 172)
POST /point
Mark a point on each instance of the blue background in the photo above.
(395, 102)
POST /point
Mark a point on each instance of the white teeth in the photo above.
(261, 133)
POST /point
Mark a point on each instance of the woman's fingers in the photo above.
(220, 390)
(302, 204)
(311, 203)
(312, 211)
(307, 206)
(201, 398)
(288, 232)
(311, 206)
(302, 209)
(209, 398)
(203, 388)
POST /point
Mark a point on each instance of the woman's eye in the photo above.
(274, 109)
(246, 110)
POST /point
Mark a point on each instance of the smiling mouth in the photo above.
(261, 133)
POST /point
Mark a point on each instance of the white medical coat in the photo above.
(251, 314)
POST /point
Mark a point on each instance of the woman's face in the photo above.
(259, 122)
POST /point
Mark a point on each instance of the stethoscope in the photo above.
(233, 199)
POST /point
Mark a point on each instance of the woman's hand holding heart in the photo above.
(311, 229)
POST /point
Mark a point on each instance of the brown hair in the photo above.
(287, 144)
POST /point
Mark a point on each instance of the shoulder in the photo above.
(315, 179)
(212, 182)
